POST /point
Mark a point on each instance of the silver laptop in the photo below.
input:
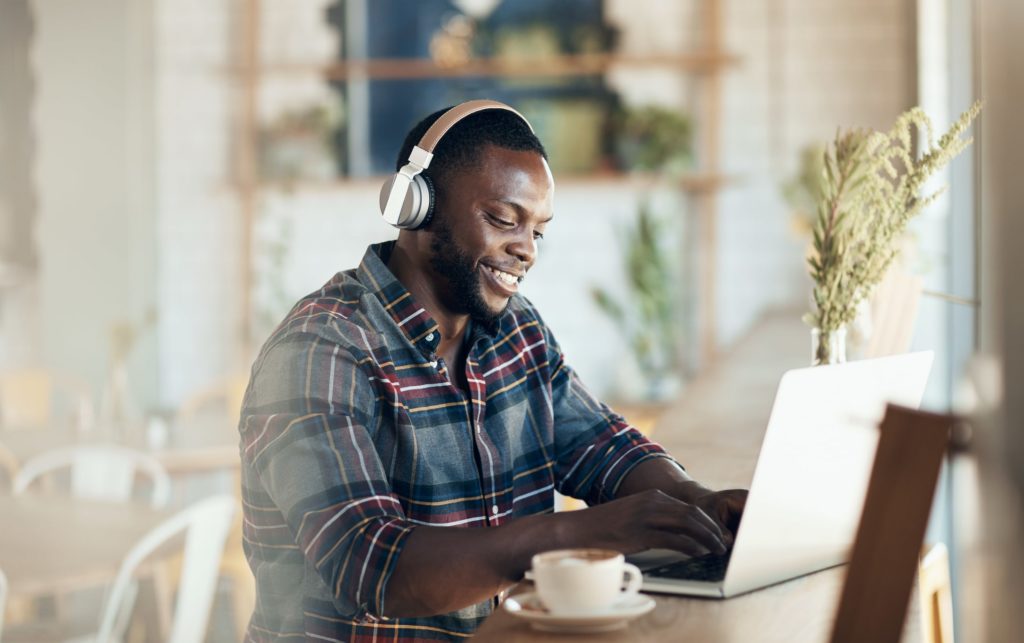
(810, 481)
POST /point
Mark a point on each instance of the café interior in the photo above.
(176, 174)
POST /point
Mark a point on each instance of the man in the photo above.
(407, 425)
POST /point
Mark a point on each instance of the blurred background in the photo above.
(174, 174)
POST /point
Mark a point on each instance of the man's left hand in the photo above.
(724, 507)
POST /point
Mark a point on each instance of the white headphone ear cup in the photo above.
(385, 194)
(426, 198)
(417, 204)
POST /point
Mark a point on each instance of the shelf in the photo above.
(569, 65)
(696, 183)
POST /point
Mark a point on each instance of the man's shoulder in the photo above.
(336, 312)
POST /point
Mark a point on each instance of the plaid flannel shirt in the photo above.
(352, 435)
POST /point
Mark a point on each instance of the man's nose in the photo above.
(524, 247)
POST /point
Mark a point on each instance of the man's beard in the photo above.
(459, 269)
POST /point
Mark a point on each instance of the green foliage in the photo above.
(802, 191)
(648, 317)
(653, 139)
(871, 186)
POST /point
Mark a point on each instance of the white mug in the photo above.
(583, 581)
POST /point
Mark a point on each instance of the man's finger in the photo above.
(679, 543)
(692, 521)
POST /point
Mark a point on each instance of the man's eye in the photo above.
(538, 235)
(504, 223)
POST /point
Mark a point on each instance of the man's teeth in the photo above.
(507, 277)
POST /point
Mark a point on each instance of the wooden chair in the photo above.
(935, 595)
(877, 590)
(33, 397)
(98, 472)
(222, 398)
(894, 306)
(8, 468)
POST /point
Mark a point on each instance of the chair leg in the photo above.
(163, 593)
(243, 589)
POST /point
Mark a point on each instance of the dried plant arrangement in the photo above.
(871, 187)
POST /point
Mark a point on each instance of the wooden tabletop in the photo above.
(715, 429)
(50, 543)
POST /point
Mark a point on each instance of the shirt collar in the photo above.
(409, 316)
(413, 320)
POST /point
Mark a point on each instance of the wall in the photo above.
(199, 222)
(92, 116)
(808, 68)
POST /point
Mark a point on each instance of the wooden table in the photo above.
(52, 544)
(715, 430)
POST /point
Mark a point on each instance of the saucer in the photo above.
(528, 606)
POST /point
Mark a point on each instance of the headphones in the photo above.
(407, 198)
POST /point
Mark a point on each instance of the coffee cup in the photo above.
(583, 581)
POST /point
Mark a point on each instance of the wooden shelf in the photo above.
(696, 183)
(569, 65)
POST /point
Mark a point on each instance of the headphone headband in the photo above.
(447, 120)
(407, 198)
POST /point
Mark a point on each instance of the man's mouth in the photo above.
(509, 279)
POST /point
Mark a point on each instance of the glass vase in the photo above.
(828, 347)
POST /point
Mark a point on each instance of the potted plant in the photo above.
(648, 315)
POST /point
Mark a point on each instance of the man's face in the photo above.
(485, 232)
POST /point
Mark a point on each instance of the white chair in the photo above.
(98, 472)
(3, 600)
(205, 524)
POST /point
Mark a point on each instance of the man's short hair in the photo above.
(460, 147)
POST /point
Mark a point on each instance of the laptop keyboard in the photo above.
(710, 567)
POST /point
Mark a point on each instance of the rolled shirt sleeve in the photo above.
(306, 433)
(595, 447)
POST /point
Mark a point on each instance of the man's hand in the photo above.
(726, 509)
(645, 520)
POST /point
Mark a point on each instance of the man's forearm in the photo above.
(442, 569)
(664, 475)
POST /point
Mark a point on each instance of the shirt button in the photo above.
(430, 337)
(494, 510)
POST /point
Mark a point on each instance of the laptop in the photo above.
(810, 482)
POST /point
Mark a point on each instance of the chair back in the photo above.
(29, 398)
(99, 472)
(873, 605)
(935, 592)
(223, 398)
(205, 525)
(894, 306)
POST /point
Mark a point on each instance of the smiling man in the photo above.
(407, 425)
